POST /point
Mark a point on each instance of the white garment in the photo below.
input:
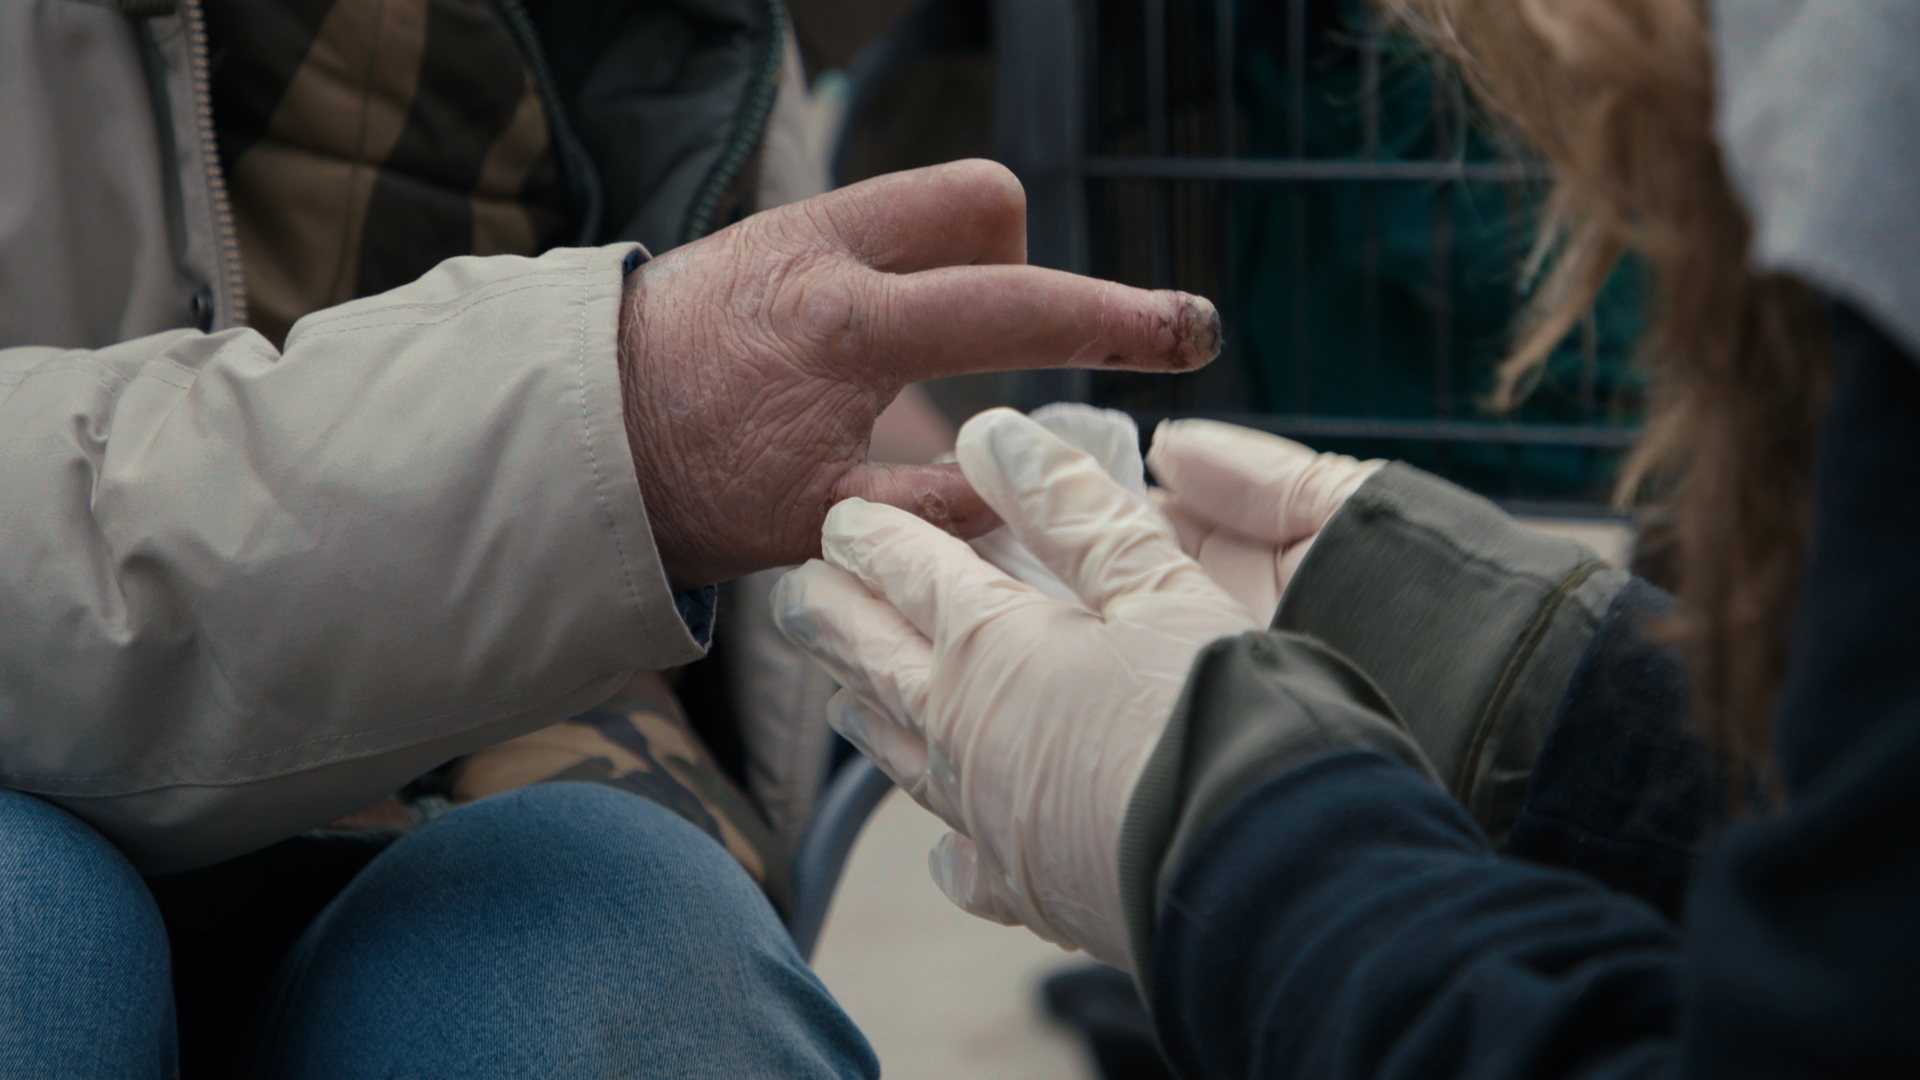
(1819, 117)
(244, 591)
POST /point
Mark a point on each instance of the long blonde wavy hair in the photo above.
(1618, 95)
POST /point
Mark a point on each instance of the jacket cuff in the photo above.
(1255, 706)
(675, 632)
(1469, 622)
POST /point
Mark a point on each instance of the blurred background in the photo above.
(1367, 242)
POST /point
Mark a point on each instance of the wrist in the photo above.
(650, 454)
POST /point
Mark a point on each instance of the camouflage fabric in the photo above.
(366, 140)
(640, 742)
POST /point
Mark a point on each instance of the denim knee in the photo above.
(561, 929)
(85, 986)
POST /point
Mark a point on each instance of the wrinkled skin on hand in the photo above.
(755, 361)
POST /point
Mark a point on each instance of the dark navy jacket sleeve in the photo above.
(1346, 919)
(1624, 790)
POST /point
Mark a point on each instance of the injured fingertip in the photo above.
(1197, 336)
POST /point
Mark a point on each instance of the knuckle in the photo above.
(822, 310)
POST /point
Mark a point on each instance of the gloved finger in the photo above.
(1249, 571)
(969, 879)
(1099, 539)
(960, 320)
(860, 639)
(1290, 561)
(1189, 529)
(899, 753)
(1253, 482)
(927, 575)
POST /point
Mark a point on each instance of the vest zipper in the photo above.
(231, 294)
(576, 168)
(749, 125)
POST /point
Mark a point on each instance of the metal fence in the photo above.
(1284, 159)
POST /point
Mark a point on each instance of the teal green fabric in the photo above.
(1469, 622)
(1334, 352)
(1226, 736)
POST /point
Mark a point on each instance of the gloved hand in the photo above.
(1022, 720)
(1247, 504)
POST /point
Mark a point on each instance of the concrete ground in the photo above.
(945, 996)
(941, 994)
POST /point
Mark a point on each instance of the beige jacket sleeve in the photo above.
(243, 592)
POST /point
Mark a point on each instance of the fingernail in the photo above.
(847, 716)
(790, 614)
(1196, 332)
(1019, 450)
(944, 864)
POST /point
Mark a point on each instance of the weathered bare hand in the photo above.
(755, 361)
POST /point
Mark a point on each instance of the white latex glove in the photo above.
(1247, 504)
(1112, 440)
(1021, 719)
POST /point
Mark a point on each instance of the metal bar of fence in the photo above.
(1457, 432)
(1589, 371)
(1297, 146)
(1223, 74)
(1331, 170)
(1297, 77)
(1370, 219)
(1160, 241)
(1226, 142)
(1442, 279)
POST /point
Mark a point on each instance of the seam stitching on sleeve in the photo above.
(1509, 677)
(1438, 537)
(327, 330)
(593, 458)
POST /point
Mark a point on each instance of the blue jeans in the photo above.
(556, 931)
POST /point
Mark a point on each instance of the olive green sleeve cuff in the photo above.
(1470, 623)
(1254, 707)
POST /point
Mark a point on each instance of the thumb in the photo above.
(938, 494)
(972, 882)
(1252, 482)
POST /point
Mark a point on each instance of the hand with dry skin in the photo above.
(755, 361)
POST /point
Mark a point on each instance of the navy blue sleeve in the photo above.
(696, 608)
(1346, 919)
(1624, 791)
(1349, 920)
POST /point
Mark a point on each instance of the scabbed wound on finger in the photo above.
(1196, 333)
(937, 494)
(1176, 331)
